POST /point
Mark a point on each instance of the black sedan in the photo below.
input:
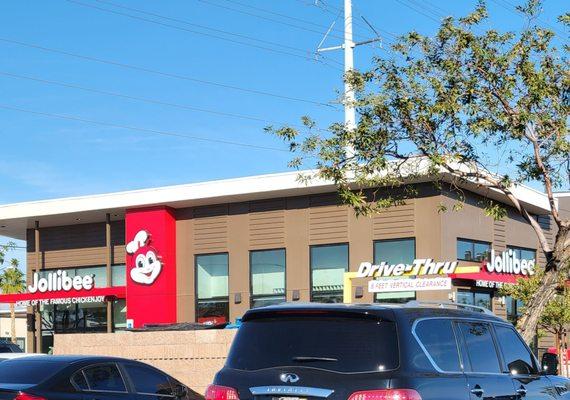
(87, 378)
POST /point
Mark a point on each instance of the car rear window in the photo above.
(28, 372)
(336, 344)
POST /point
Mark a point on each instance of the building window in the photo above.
(212, 288)
(75, 318)
(395, 251)
(514, 309)
(328, 265)
(119, 315)
(473, 250)
(267, 269)
(523, 253)
(118, 275)
(477, 298)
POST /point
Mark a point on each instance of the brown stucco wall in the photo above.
(192, 357)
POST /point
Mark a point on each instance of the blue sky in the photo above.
(45, 157)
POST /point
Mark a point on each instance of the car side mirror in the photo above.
(549, 364)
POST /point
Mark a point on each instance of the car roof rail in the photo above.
(447, 304)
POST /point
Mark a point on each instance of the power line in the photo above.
(277, 51)
(304, 51)
(418, 11)
(139, 129)
(268, 18)
(165, 74)
(142, 99)
(286, 16)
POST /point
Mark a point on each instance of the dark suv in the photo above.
(380, 352)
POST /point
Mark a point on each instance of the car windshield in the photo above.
(28, 372)
(336, 344)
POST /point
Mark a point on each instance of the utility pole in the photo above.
(349, 110)
(348, 46)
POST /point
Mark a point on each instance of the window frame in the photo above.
(253, 297)
(473, 242)
(347, 269)
(126, 382)
(504, 365)
(197, 299)
(375, 300)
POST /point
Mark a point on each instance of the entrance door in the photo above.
(481, 362)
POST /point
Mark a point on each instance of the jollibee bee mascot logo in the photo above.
(147, 264)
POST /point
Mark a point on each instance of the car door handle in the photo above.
(478, 391)
(521, 391)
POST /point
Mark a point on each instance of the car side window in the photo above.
(79, 382)
(438, 339)
(480, 347)
(104, 377)
(517, 357)
(148, 380)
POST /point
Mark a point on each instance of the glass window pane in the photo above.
(92, 317)
(401, 251)
(268, 272)
(522, 253)
(465, 297)
(213, 311)
(328, 265)
(482, 251)
(105, 378)
(120, 314)
(119, 275)
(212, 276)
(516, 355)
(483, 300)
(99, 275)
(527, 254)
(283, 342)
(439, 340)
(480, 347)
(464, 250)
(267, 301)
(78, 380)
(148, 380)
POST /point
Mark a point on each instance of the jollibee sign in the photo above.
(60, 281)
(151, 266)
(147, 263)
(509, 263)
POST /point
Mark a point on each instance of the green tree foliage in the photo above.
(466, 106)
(11, 282)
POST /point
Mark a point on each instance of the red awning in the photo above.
(116, 292)
(485, 275)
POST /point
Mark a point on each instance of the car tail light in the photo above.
(26, 396)
(215, 392)
(386, 394)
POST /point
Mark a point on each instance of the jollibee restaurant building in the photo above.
(207, 252)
